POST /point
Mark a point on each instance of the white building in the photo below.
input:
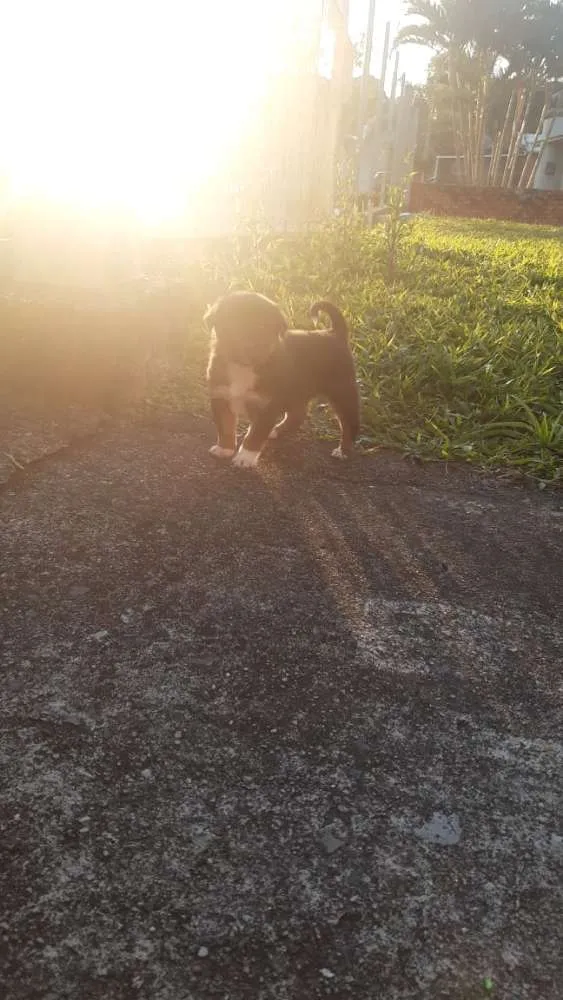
(549, 171)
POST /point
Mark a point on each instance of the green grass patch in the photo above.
(457, 329)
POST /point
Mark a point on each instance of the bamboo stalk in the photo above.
(457, 130)
(518, 143)
(505, 128)
(469, 144)
(529, 162)
(470, 134)
(464, 126)
(481, 110)
(515, 127)
(476, 151)
(535, 168)
(465, 132)
(475, 142)
(494, 157)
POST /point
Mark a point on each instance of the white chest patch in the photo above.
(242, 380)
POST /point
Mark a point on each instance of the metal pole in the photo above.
(384, 60)
(395, 78)
(366, 69)
(392, 123)
(385, 137)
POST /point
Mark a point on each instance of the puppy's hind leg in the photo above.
(291, 422)
(225, 420)
(346, 404)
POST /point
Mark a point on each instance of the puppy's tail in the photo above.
(339, 327)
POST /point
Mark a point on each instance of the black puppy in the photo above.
(260, 368)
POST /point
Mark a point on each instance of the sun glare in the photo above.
(121, 106)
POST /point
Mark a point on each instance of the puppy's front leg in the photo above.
(255, 438)
(225, 420)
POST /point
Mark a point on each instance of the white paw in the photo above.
(246, 459)
(338, 453)
(218, 452)
(273, 434)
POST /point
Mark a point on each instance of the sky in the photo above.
(413, 59)
(125, 102)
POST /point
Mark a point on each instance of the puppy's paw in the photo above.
(246, 459)
(218, 452)
(338, 453)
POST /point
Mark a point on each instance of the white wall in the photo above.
(549, 173)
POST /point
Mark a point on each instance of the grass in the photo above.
(457, 329)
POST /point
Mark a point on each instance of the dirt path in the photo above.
(283, 735)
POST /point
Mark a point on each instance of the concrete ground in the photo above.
(283, 734)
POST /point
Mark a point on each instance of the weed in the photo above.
(395, 230)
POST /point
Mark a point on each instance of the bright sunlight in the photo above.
(121, 106)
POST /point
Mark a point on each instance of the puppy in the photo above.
(260, 368)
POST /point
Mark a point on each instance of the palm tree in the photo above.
(533, 61)
(535, 41)
(466, 33)
(480, 40)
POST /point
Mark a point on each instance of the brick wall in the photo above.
(540, 207)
